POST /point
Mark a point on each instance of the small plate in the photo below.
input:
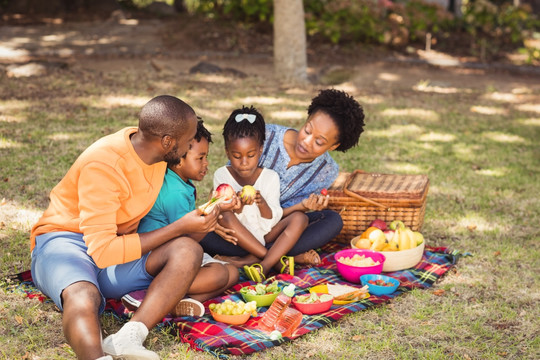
(323, 289)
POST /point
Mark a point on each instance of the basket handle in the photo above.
(360, 197)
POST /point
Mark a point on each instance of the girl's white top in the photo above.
(268, 184)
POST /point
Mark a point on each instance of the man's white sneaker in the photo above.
(106, 357)
(127, 343)
(188, 307)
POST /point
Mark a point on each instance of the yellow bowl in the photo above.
(323, 289)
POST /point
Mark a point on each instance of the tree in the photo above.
(290, 56)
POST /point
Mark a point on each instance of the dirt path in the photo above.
(178, 45)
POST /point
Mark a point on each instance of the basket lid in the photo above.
(384, 186)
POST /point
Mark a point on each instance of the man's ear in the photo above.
(166, 141)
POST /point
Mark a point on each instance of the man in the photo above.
(85, 247)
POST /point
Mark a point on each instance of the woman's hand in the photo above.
(226, 234)
(316, 202)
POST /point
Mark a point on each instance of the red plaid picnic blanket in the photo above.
(206, 334)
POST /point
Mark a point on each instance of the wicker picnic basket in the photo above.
(361, 197)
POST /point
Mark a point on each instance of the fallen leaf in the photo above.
(471, 227)
(358, 337)
(439, 292)
(19, 319)
(497, 253)
(3, 202)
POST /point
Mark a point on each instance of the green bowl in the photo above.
(261, 300)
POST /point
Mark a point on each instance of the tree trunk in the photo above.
(290, 58)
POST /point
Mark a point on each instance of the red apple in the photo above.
(324, 192)
(226, 191)
(378, 223)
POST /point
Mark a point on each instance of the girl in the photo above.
(262, 237)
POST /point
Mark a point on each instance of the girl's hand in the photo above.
(259, 199)
(233, 205)
(226, 234)
(248, 200)
(316, 202)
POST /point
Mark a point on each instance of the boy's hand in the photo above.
(316, 202)
(226, 234)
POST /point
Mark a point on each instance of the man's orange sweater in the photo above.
(103, 196)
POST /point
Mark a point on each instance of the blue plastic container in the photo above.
(379, 290)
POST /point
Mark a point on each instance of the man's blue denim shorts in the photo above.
(59, 259)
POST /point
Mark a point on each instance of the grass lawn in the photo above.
(475, 135)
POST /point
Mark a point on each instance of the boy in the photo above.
(176, 198)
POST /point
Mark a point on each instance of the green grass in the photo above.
(476, 138)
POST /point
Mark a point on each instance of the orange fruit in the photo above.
(369, 230)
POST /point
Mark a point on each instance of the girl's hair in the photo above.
(242, 123)
(346, 112)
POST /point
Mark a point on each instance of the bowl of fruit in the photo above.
(379, 284)
(401, 246)
(352, 263)
(233, 312)
(262, 294)
(313, 303)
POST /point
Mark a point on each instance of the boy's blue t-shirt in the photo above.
(176, 198)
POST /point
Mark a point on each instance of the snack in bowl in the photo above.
(262, 294)
(313, 303)
(233, 313)
(352, 263)
(379, 284)
(343, 294)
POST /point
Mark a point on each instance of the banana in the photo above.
(403, 241)
(378, 244)
(410, 238)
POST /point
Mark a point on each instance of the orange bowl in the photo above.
(231, 319)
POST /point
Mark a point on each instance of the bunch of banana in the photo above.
(403, 238)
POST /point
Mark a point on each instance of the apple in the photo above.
(418, 237)
(248, 192)
(378, 223)
(225, 191)
(324, 192)
(397, 224)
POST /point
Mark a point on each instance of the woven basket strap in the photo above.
(360, 197)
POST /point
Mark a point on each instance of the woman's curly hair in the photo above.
(346, 112)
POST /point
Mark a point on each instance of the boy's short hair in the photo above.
(202, 131)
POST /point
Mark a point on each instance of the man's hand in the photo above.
(316, 202)
(226, 234)
(195, 222)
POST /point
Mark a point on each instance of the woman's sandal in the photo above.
(255, 272)
(288, 265)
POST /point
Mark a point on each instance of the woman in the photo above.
(335, 122)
